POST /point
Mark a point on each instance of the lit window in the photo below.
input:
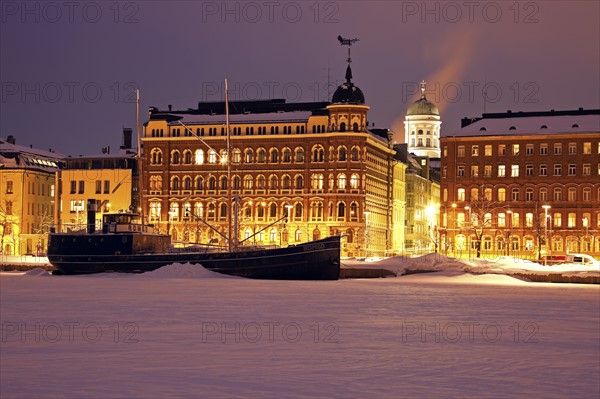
(461, 151)
(515, 149)
(514, 170)
(501, 170)
(488, 150)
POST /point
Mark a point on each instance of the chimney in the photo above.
(127, 134)
(11, 140)
(170, 107)
(106, 150)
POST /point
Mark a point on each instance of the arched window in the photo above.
(318, 154)
(223, 211)
(299, 182)
(261, 155)
(260, 182)
(299, 154)
(355, 127)
(273, 182)
(342, 127)
(273, 210)
(199, 157)
(248, 182)
(354, 181)
(156, 155)
(354, 212)
(286, 182)
(187, 183)
(342, 182)
(287, 155)
(298, 211)
(274, 155)
(175, 157)
(212, 156)
(248, 155)
(175, 183)
(354, 154)
(187, 157)
(199, 183)
(342, 154)
(341, 211)
(199, 209)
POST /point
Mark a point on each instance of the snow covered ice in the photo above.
(183, 331)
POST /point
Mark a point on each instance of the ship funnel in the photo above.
(91, 216)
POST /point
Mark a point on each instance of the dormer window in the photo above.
(482, 129)
(575, 126)
(512, 128)
(544, 127)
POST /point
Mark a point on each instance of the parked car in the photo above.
(583, 259)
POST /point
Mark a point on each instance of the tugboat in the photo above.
(125, 246)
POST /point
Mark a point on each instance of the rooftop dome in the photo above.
(422, 106)
(348, 93)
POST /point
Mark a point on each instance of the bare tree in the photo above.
(480, 220)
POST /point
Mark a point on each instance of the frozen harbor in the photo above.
(185, 332)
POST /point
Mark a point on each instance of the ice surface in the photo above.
(186, 334)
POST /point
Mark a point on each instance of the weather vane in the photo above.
(347, 42)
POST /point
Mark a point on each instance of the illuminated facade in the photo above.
(524, 183)
(316, 163)
(422, 127)
(110, 179)
(27, 189)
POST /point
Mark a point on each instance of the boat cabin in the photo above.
(124, 223)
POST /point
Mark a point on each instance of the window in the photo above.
(9, 187)
(488, 150)
(529, 149)
(501, 220)
(445, 150)
(460, 171)
(587, 194)
(354, 181)
(543, 170)
(461, 194)
(543, 194)
(587, 148)
(515, 219)
(212, 156)
(529, 170)
(106, 186)
(98, 186)
(529, 220)
(557, 169)
(81, 186)
(461, 151)
(501, 149)
(487, 171)
(514, 170)
(474, 194)
(487, 194)
(572, 169)
(572, 194)
(474, 150)
(529, 194)
(557, 148)
(515, 149)
(557, 220)
(474, 171)
(199, 157)
(76, 205)
(445, 172)
(587, 169)
(572, 148)
(515, 194)
(73, 186)
(299, 154)
(342, 182)
(543, 149)
(571, 220)
(501, 194)
(501, 170)
(557, 194)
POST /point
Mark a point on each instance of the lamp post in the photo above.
(455, 226)
(469, 238)
(546, 207)
(509, 223)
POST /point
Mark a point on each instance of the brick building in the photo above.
(525, 183)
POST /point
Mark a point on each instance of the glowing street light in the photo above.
(546, 207)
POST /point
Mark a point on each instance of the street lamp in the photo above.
(455, 226)
(509, 223)
(546, 207)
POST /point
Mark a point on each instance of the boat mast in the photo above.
(139, 156)
(232, 241)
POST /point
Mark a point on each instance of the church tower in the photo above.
(422, 127)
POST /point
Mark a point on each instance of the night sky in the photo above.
(68, 69)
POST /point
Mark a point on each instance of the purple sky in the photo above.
(67, 69)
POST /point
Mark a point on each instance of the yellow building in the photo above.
(27, 185)
(107, 179)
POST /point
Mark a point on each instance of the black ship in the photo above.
(125, 246)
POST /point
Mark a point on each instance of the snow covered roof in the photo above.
(291, 116)
(18, 156)
(519, 125)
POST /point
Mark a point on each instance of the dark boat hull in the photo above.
(317, 260)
